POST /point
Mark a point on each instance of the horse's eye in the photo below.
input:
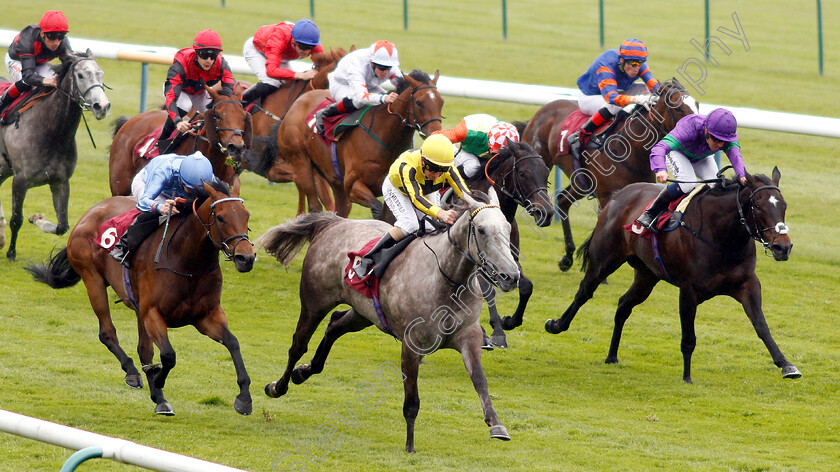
(80, 75)
(220, 220)
(521, 174)
(481, 230)
(419, 103)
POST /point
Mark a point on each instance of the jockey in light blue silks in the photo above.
(688, 153)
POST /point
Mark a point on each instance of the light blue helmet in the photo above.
(195, 169)
(306, 32)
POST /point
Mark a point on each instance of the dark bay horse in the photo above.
(184, 289)
(712, 254)
(41, 148)
(224, 138)
(262, 157)
(364, 153)
(520, 179)
(429, 296)
(624, 158)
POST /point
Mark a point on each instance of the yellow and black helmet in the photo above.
(437, 153)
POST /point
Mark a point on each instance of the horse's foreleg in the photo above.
(98, 296)
(341, 323)
(307, 324)
(215, 326)
(749, 294)
(497, 338)
(526, 289)
(19, 188)
(60, 198)
(324, 193)
(471, 354)
(2, 227)
(688, 311)
(564, 201)
(411, 402)
(156, 374)
(638, 292)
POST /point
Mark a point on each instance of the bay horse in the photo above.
(712, 254)
(184, 289)
(41, 148)
(520, 179)
(429, 296)
(262, 157)
(624, 158)
(224, 138)
(364, 153)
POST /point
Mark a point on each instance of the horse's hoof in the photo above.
(134, 381)
(37, 216)
(499, 432)
(549, 327)
(500, 341)
(297, 375)
(790, 372)
(509, 323)
(243, 407)
(565, 263)
(487, 344)
(611, 360)
(272, 391)
(164, 409)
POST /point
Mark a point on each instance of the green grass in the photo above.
(565, 409)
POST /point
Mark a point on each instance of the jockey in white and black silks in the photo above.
(412, 190)
(271, 48)
(156, 188)
(358, 78)
(193, 67)
(608, 86)
(29, 55)
(688, 153)
(476, 139)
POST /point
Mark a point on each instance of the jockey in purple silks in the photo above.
(688, 153)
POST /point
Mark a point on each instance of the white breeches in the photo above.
(16, 70)
(684, 170)
(590, 104)
(408, 217)
(256, 61)
(467, 161)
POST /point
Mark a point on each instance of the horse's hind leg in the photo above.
(2, 227)
(411, 403)
(749, 294)
(98, 296)
(19, 188)
(61, 197)
(215, 326)
(638, 292)
(156, 374)
(307, 324)
(341, 323)
(471, 354)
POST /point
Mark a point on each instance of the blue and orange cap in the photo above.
(633, 50)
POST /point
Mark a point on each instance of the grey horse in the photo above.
(430, 295)
(41, 148)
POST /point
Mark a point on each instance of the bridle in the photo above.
(518, 194)
(412, 111)
(224, 246)
(755, 231)
(487, 267)
(234, 131)
(76, 94)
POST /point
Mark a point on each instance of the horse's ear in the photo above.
(213, 94)
(494, 199)
(210, 127)
(777, 175)
(352, 48)
(435, 79)
(537, 147)
(412, 81)
(89, 53)
(234, 190)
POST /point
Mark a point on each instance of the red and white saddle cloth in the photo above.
(572, 123)
(20, 104)
(110, 231)
(677, 207)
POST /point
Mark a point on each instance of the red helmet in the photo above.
(207, 39)
(54, 21)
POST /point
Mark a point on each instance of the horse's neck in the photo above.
(191, 243)
(63, 114)
(389, 127)
(452, 262)
(720, 212)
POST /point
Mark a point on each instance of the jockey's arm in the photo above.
(457, 182)
(227, 80)
(457, 134)
(647, 76)
(733, 152)
(415, 193)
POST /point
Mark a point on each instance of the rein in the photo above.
(757, 233)
(470, 236)
(518, 194)
(224, 246)
(77, 96)
(413, 112)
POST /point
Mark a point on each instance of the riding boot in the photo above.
(256, 92)
(367, 261)
(579, 139)
(666, 196)
(6, 100)
(141, 228)
(164, 141)
(337, 108)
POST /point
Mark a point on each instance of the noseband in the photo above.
(76, 94)
(224, 246)
(471, 236)
(407, 122)
(234, 131)
(755, 231)
(518, 194)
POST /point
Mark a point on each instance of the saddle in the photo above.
(669, 219)
(11, 114)
(335, 126)
(110, 231)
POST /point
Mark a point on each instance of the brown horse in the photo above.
(624, 158)
(262, 157)
(184, 289)
(429, 296)
(365, 152)
(224, 138)
(712, 254)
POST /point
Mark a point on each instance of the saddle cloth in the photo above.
(110, 231)
(12, 112)
(669, 219)
(335, 126)
(369, 285)
(572, 123)
(147, 147)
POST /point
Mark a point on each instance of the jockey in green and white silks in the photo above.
(476, 139)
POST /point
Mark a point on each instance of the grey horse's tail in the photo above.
(117, 124)
(57, 273)
(285, 241)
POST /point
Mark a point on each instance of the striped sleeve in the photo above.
(457, 182)
(647, 76)
(607, 84)
(408, 179)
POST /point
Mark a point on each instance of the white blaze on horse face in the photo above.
(773, 200)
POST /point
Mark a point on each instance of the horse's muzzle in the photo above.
(244, 262)
(507, 281)
(781, 250)
(100, 109)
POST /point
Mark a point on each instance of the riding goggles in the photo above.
(381, 67)
(304, 47)
(55, 35)
(635, 63)
(432, 167)
(207, 53)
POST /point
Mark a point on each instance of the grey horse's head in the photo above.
(87, 86)
(492, 241)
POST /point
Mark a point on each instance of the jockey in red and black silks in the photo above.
(191, 69)
(28, 57)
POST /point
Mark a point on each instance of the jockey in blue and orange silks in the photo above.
(29, 55)
(412, 189)
(608, 86)
(688, 153)
(358, 78)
